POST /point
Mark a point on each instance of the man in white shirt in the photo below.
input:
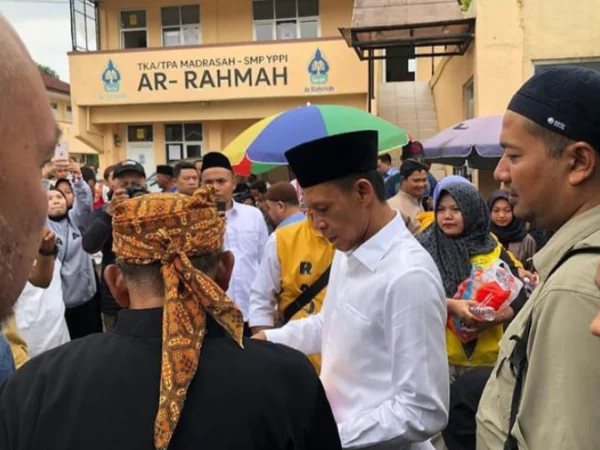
(246, 233)
(381, 332)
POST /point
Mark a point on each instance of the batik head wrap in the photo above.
(452, 255)
(171, 228)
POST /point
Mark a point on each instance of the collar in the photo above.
(147, 323)
(296, 217)
(235, 209)
(568, 236)
(371, 252)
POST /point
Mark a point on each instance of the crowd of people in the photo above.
(324, 313)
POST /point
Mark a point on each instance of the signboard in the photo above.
(208, 73)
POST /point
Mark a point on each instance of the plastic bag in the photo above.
(493, 288)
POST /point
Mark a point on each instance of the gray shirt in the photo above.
(77, 271)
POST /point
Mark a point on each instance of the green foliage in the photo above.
(464, 4)
(48, 71)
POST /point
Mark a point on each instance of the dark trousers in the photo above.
(83, 319)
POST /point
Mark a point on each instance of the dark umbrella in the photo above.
(476, 141)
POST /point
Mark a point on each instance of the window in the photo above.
(587, 64)
(69, 114)
(469, 99)
(180, 25)
(140, 133)
(54, 107)
(285, 19)
(183, 141)
(133, 29)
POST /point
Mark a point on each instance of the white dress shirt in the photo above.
(245, 236)
(266, 287)
(381, 334)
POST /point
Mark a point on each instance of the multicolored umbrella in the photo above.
(262, 147)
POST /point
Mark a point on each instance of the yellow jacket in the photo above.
(303, 254)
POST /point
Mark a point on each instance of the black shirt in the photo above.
(101, 392)
(98, 237)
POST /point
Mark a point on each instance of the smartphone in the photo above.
(61, 151)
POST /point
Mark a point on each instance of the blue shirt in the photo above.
(390, 173)
(7, 364)
(297, 217)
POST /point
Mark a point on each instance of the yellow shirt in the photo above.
(17, 345)
(304, 254)
(486, 348)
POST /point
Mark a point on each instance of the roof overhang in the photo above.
(424, 28)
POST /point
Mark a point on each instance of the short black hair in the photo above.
(181, 166)
(259, 186)
(88, 174)
(385, 159)
(149, 276)
(372, 176)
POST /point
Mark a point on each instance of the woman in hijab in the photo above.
(64, 186)
(509, 230)
(457, 240)
(76, 269)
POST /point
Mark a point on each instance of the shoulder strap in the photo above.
(306, 296)
(518, 357)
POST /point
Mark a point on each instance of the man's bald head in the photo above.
(29, 134)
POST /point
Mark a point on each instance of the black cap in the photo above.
(565, 100)
(334, 157)
(164, 169)
(128, 166)
(215, 159)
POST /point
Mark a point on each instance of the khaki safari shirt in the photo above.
(560, 402)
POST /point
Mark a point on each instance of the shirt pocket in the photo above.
(357, 316)
(247, 241)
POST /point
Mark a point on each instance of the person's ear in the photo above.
(364, 190)
(115, 281)
(583, 162)
(224, 270)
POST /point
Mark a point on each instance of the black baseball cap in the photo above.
(128, 166)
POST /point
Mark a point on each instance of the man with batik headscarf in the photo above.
(175, 372)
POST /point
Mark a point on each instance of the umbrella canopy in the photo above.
(476, 141)
(264, 144)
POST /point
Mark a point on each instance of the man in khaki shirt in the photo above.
(551, 140)
(408, 199)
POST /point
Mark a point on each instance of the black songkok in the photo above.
(333, 157)
(215, 159)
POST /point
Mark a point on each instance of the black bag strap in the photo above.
(306, 296)
(518, 357)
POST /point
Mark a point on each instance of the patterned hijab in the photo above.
(171, 228)
(452, 255)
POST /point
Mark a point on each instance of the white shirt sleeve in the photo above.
(303, 334)
(266, 287)
(263, 235)
(414, 326)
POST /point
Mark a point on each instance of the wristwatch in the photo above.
(51, 253)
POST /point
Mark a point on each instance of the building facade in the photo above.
(59, 95)
(513, 40)
(173, 80)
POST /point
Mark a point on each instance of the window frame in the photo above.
(297, 18)
(469, 86)
(125, 30)
(183, 143)
(141, 125)
(181, 25)
(69, 113)
(54, 107)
